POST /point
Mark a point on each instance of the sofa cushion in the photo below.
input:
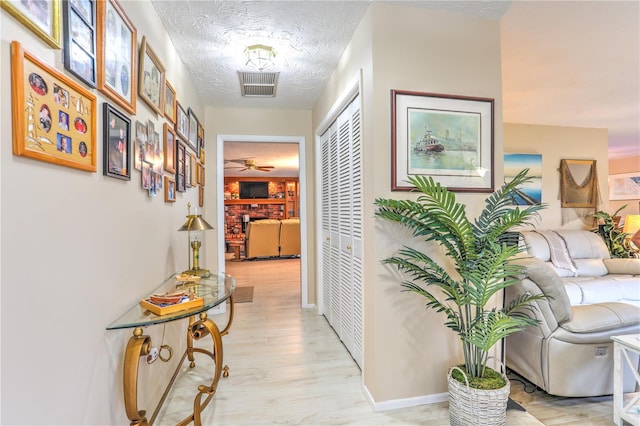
(584, 244)
(590, 267)
(623, 266)
(550, 284)
(602, 317)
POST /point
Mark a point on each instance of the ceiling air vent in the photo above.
(258, 84)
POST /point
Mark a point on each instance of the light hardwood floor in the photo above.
(287, 366)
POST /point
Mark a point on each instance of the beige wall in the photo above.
(624, 165)
(555, 143)
(409, 49)
(77, 250)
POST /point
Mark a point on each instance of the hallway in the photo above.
(287, 366)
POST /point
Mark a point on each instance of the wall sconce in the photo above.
(260, 56)
(194, 226)
(632, 229)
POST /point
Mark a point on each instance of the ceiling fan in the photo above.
(248, 164)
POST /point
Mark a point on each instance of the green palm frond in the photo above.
(481, 256)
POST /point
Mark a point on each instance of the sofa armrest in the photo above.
(539, 309)
(550, 284)
(623, 266)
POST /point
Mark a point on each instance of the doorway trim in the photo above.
(300, 140)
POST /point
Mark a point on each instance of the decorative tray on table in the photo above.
(175, 301)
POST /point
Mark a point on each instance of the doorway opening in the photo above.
(250, 163)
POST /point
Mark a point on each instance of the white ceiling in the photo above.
(565, 63)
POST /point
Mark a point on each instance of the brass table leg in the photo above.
(197, 330)
(137, 347)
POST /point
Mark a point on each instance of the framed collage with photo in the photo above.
(169, 102)
(79, 17)
(54, 117)
(169, 149)
(193, 132)
(116, 143)
(117, 43)
(41, 17)
(151, 80)
(446, 137)
(182, 122)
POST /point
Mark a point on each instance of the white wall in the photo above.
(420, 50)
(77, 250)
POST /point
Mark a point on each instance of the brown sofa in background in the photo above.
(290, 237)
(272, 238)
(262, 238)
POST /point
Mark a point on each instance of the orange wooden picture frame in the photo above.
(54, 117)
(170, 102)
(169, 190)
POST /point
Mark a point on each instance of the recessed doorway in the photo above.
(274, 160)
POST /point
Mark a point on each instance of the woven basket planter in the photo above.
(469, 406)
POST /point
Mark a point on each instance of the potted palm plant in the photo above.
(483, 252)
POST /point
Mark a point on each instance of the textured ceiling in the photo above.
(572, 63)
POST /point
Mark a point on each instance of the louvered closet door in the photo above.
(356, 231)
(341, 155)
(334, 240)
(344, 227)
(326, 225)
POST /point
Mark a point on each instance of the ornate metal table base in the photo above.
(139, 345)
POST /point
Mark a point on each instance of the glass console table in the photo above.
(214, 290)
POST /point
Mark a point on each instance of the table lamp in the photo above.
(632, 229)
(194, 226)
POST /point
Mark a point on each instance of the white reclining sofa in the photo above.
(591, 298)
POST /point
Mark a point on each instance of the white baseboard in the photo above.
(404, 403)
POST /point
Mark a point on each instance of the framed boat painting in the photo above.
(446, 137)
(117, 43)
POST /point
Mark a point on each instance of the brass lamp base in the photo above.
(204, 273)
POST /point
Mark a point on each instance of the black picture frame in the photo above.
(192, 139)
(116, 143)
(180, 167)
(182, 122)
(79, 17)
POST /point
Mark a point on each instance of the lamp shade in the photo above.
(195, 223)
(631, 224)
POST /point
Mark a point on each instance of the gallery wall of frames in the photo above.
(54, 113)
